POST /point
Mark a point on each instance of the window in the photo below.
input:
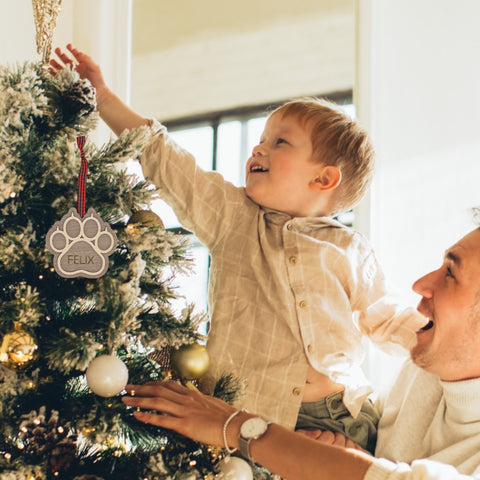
(221, 142)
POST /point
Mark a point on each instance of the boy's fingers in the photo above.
(55, 65)
(76, 53)
(63, 57)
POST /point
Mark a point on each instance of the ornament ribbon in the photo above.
(82, 178)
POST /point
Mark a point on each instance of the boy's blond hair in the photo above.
(336, 140)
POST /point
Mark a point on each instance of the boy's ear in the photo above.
(327, 178)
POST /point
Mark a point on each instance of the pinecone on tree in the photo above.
(48, 437)
(78, 99)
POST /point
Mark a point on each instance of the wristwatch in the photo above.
(251, 429)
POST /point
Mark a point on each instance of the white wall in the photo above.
(418, 92)
(100, 27)
(285, 56)
(17, 30)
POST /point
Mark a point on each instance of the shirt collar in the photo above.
(303, 223)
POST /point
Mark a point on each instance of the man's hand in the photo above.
(175, 407)
(330, 438)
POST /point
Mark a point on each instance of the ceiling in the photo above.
(160, 24)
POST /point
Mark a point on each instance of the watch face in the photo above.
(253, 427)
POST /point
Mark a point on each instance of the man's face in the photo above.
(449, 346)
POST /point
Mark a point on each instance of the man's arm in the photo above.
(116, 114)
(282, 451)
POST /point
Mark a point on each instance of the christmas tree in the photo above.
(57, 421)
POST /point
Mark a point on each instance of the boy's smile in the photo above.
(256, 167)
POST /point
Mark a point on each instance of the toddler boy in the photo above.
(292, 291)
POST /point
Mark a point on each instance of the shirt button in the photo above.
(293, 260)
(297, 391)
(289, 226)
(310, 349)
(303, 304)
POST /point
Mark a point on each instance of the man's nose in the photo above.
(424, 285)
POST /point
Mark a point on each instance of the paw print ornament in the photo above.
(81, 244)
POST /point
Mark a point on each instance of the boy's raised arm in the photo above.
(116, 114)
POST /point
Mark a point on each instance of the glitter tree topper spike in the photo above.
(45, 13)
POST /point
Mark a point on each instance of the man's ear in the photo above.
(327, 178)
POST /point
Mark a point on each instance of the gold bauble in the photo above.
(145, 218)
(190, 362)
(19, 349)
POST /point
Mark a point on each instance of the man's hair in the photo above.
(476, 215)
(336, 140)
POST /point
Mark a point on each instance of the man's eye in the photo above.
(281, 140)
(449, 272)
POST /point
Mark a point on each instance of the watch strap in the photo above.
(244, 447)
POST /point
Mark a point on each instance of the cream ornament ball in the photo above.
(235, 468)
(107, 375)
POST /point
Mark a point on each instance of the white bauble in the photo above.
(107, 375)
(235, 468)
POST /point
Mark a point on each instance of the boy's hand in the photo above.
(82, 63)
(117, 114)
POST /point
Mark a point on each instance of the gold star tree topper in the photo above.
(45, 13)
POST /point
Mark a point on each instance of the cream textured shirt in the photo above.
(282, 290)
(428, 430)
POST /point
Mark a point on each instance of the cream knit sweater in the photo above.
(429, 429)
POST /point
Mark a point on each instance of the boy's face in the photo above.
(281, 168)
